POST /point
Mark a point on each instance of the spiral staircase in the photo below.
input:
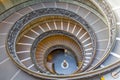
(59, 40)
